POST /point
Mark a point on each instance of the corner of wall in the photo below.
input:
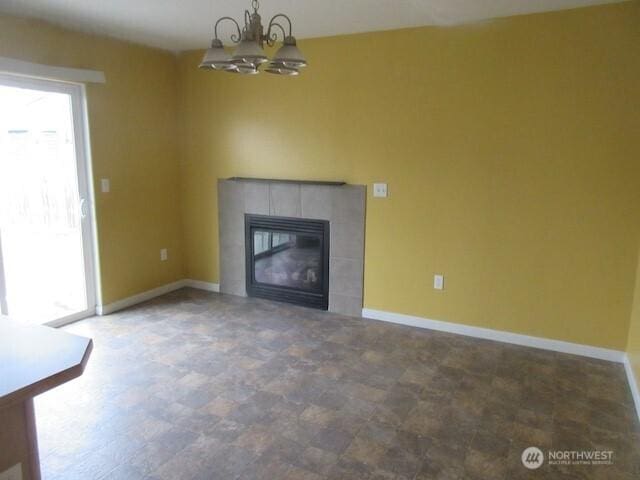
(632, 363)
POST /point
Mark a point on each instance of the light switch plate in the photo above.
(14, 473)
(164, 255)
(438, 282)
(380, 190)
(105, 185)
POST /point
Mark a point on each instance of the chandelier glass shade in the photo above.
(249, 55)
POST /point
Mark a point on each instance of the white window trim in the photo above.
(48, 72)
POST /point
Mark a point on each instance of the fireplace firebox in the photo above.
(287, 259)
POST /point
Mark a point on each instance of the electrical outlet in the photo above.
(164, 255)
(105, 185)
(380, 190)
(438, 282)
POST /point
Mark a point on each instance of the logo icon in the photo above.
(532, 458)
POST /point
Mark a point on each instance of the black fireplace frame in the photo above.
(318, 228)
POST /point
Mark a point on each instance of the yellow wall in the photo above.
(511, 150)
(134, 143)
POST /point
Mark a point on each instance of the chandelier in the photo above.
(249, 56)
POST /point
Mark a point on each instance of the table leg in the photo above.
(19, 440)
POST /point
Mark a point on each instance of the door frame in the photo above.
(77, 93)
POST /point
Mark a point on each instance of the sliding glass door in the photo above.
(46, 242)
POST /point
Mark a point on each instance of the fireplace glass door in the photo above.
(287, 259)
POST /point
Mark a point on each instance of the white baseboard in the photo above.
(200, 285)
(497, 335)
(633, 384)
(153, 293)
(61, 322)
(139, 298)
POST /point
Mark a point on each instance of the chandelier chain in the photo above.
(255, 5)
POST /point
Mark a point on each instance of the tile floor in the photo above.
(195, 385)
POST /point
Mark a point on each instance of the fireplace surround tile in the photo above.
(346, 276)
(231, 224)
(317, 202)
(347, 239)
(232, 267)
(256, 198)
(345, 305)
(231, 195)
(342, 205)
(285, 200)
(231, 230)
(348, 205)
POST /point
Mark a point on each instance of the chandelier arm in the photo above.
(271, 38)
(273, 21)
(234, 38)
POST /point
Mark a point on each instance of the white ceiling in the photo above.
(187, 24)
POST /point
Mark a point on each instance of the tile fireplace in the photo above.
(287, 258)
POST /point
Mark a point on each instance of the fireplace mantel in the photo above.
(283, 180)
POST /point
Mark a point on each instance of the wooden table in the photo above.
(33, 359)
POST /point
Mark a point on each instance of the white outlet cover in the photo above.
(164, 255)
(438, 282)
(105, 185)
(380, 190)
